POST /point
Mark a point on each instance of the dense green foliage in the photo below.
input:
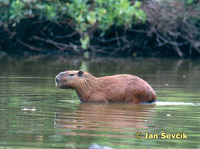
(172, 24)
(103, 14)
(84, 14)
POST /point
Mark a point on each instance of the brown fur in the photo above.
(116, 88)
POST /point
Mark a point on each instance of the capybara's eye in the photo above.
(71, 75)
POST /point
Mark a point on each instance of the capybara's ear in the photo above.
(80, 73)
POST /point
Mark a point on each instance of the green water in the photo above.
(61, 121)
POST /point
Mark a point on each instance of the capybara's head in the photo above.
(69, 79)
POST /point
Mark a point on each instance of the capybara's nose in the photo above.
(56, 79)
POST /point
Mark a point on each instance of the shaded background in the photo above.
(147, 28)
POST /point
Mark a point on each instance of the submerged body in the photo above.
(116, 88)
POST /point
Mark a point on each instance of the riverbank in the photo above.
(94, 28)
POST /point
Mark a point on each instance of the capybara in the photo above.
(116, 88)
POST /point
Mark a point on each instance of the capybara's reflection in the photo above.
(105, 117)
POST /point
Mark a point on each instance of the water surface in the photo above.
(59, 120)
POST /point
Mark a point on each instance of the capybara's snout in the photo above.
(56, 80)
(59, 77)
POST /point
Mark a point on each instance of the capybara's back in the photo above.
(116, 88)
